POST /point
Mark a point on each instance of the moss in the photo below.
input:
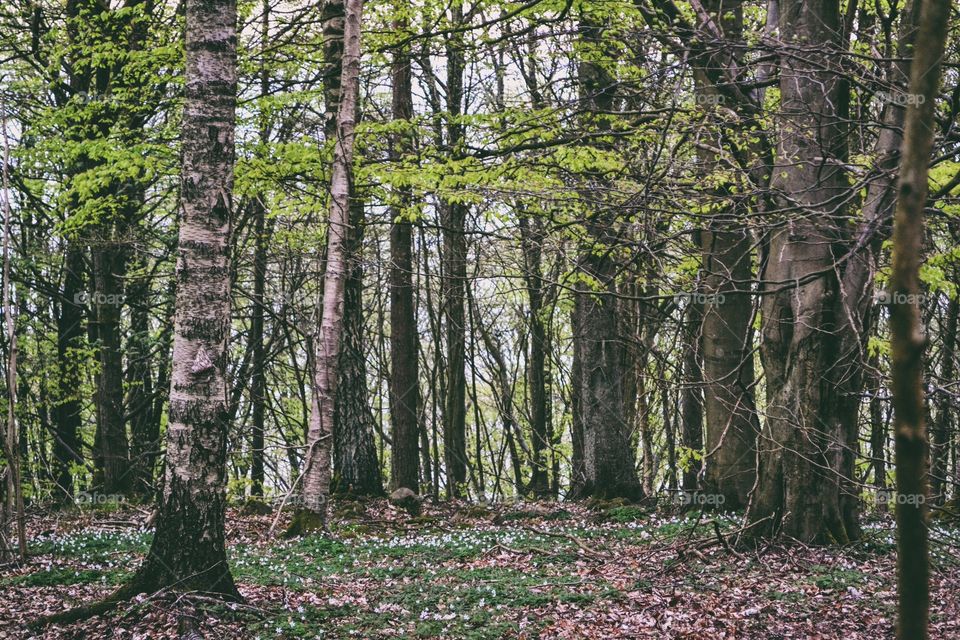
(304, 523)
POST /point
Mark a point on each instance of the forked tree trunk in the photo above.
(907, 337)
(188, 546)
(316, 475)
(356, 467)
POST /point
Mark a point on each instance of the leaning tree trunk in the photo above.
(355, 463)
(907, 337)
(800, 482)
(188, 546)
(404, 364)
(316, 475)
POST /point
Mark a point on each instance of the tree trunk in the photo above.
(188, 547)
(531, 239)
(608, 458)
(355, 462)
(940, 451)
(404, 365)
(691, 399)
(261, 239)
(800, 476)
(144, 425)
(316, 475)
(907, 337)
(113, 451)
(453, 218)
(66, 446)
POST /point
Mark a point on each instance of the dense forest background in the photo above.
(615, 251)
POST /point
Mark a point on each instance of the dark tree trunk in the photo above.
(113, 452)
(578, 478)
(531, 238)
(258, 377)
(261, 240)
(453, 218)
(940, 451)
(608, 458)
(691, 399)
(907, 337)
(70, 331)
(404, 338)
(731, 418)
(144, 425)
(801, 473)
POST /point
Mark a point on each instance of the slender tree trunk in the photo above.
(531, 239)
(13, 507)
(453, 216)
(188, 549)
(907, 338)
(578, 477)
(261, 239)
(404, 365)
(70, 331)
(691, 399)
(940, 451)
(316, 475)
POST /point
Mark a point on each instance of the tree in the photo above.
(316, 475)
(608, 460)
(801, 484)
(404, 368)
(188, 549)
(907, 339)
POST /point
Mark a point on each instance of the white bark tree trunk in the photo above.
(316, 476)
(188, 547)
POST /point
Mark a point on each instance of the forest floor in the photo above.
(467, 571)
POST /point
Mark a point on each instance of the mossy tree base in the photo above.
(306, 522)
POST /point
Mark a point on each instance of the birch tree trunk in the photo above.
(907, 337)
(316, 476)
(188, 546)
(13, 509)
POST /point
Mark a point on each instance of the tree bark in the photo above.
(316, 475)
(188, 547)
(608, 458)
(531, 239)
(404, 364)
(66, 446)
(356, 465)
(907, 337)
(801, 478)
